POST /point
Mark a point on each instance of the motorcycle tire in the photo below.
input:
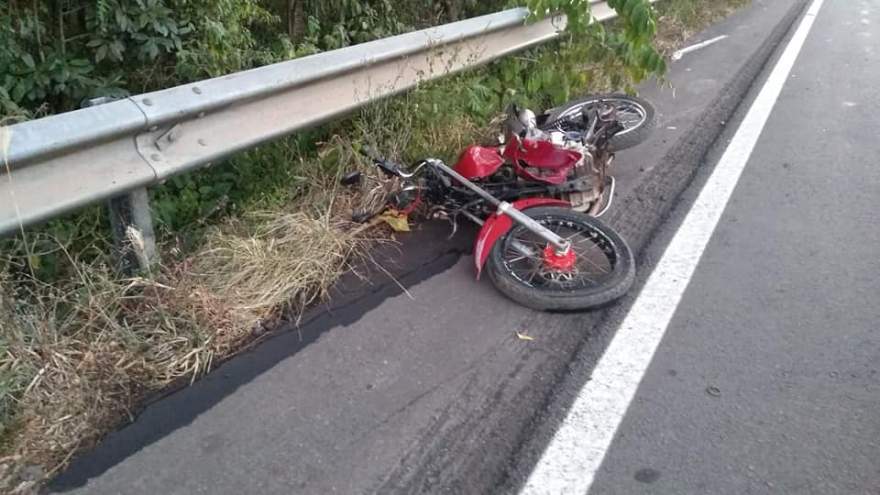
(543, 291)
(636, 132)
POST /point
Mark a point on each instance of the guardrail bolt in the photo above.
(148, 102)
(197, 90)
(132, 224)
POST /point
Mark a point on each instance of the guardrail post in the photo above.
(132, 225)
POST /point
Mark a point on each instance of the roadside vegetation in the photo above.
(252, 241)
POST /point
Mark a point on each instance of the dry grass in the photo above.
(78, 356)
(283, 254)
(82, 353)
(681, 19)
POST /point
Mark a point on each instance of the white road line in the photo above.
(684, 51)
(574, 455)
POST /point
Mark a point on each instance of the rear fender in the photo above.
(499, 224)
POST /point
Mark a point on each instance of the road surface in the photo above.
(765, 376)
(764, 381)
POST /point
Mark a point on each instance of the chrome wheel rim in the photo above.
(629, 113)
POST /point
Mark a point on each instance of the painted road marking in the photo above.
(574, 455)
(684, 51)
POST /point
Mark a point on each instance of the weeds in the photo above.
(284, 254)
(78, 356)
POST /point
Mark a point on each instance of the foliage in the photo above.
(630, 46)
(56, 55)
(228, 36)
(336, 24)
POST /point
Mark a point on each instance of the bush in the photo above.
(57, 53)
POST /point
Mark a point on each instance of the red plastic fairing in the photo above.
(546, 162)
(477, 162)
(498, 224)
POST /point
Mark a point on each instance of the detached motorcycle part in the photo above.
(635, 114)
(599, 269)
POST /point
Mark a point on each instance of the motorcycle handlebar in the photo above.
(390, 168)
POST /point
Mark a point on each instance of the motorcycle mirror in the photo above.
(351, 178)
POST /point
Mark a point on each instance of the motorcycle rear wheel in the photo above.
(603, 272)
(636, 115)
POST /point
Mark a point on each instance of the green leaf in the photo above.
(101, 53)
(28, 60)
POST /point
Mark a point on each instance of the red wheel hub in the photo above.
(559, 262)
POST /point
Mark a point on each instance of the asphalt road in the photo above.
(431, 391)
(766, 380)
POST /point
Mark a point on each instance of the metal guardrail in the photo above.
(59, 163)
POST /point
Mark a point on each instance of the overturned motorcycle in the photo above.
(536, 197)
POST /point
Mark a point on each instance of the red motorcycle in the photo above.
(537, 249)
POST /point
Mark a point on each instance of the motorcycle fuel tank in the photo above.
(477, 162)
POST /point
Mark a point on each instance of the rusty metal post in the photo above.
(132, 224)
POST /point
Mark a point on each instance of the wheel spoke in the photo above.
(628, 113)
(602, 271)
(593, 260)
(534, 272)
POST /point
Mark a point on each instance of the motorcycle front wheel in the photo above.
(523, 268)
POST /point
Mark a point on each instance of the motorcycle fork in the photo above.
(561, 245)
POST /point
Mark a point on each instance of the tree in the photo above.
(296, 20)
(631, 47)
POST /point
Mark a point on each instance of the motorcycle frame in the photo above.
(507, 209)
(492, 230)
